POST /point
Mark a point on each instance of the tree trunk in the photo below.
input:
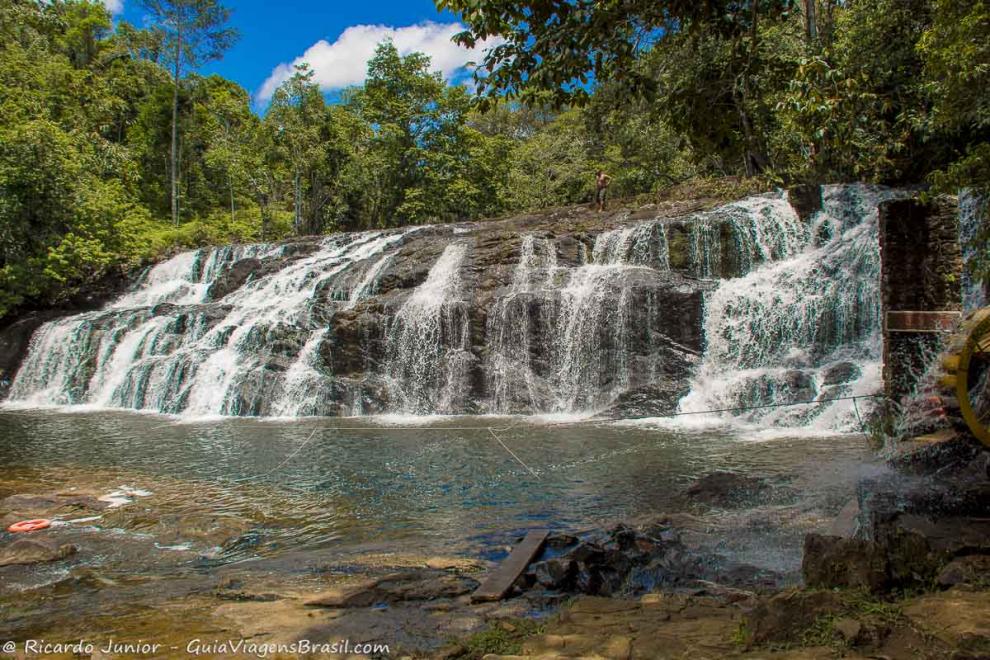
(174, 156)
(755, 162)
(297, 203)
(266, 220)
(827, 23)
(811, 20)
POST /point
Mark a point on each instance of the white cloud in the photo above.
(344, 62)
(114, 6)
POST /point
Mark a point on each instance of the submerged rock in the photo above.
(26, 551)
(727, 489)
(25, 506)
(402, 587)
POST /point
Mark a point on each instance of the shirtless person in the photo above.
(601, 185)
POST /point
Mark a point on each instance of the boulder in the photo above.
(806, 199)
(972, 570)
(799, 386)
(840, 373)
(834, 561)
(784, 617)
(554, 573)
(561, 541)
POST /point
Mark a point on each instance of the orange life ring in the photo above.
(29, 525)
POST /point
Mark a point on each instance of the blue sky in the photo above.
(334, 37)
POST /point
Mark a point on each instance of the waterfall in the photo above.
(514, 385)
(800, 328)
(599, 330)
(973, 221)
(427, 357)
(166, 347)
(619, 316)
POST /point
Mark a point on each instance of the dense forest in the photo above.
(114, 150)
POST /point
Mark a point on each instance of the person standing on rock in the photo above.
(601, 185)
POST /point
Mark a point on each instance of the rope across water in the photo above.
(493, 430)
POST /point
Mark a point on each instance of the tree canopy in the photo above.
(97, 141)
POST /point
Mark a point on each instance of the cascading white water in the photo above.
(428, 356)
(588, 315)
(973, 212)
(608, 323)
(805, 327)
(249, 354)
(513, 384)
(186, 278)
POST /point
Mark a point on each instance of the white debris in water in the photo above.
(123, 496)
(180, 547)
(75, 521)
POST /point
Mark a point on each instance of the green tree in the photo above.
(193, 32)
(562, 47)
(419, 144)
(955, 50)
(230, 125)
(553, 168)
(297, 117)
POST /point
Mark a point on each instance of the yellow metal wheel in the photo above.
(966, 375)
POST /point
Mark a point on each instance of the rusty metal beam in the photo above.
(922, 321)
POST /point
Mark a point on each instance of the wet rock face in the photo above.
(566, 311)
(914, 530)
(624, 561)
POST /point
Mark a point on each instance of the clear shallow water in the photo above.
(253, 503)
(341, 484)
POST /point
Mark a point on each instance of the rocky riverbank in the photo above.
(904, 573)
(130, 562)
(904, 567)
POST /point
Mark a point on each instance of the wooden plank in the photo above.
(906, 321)
(500, 581)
